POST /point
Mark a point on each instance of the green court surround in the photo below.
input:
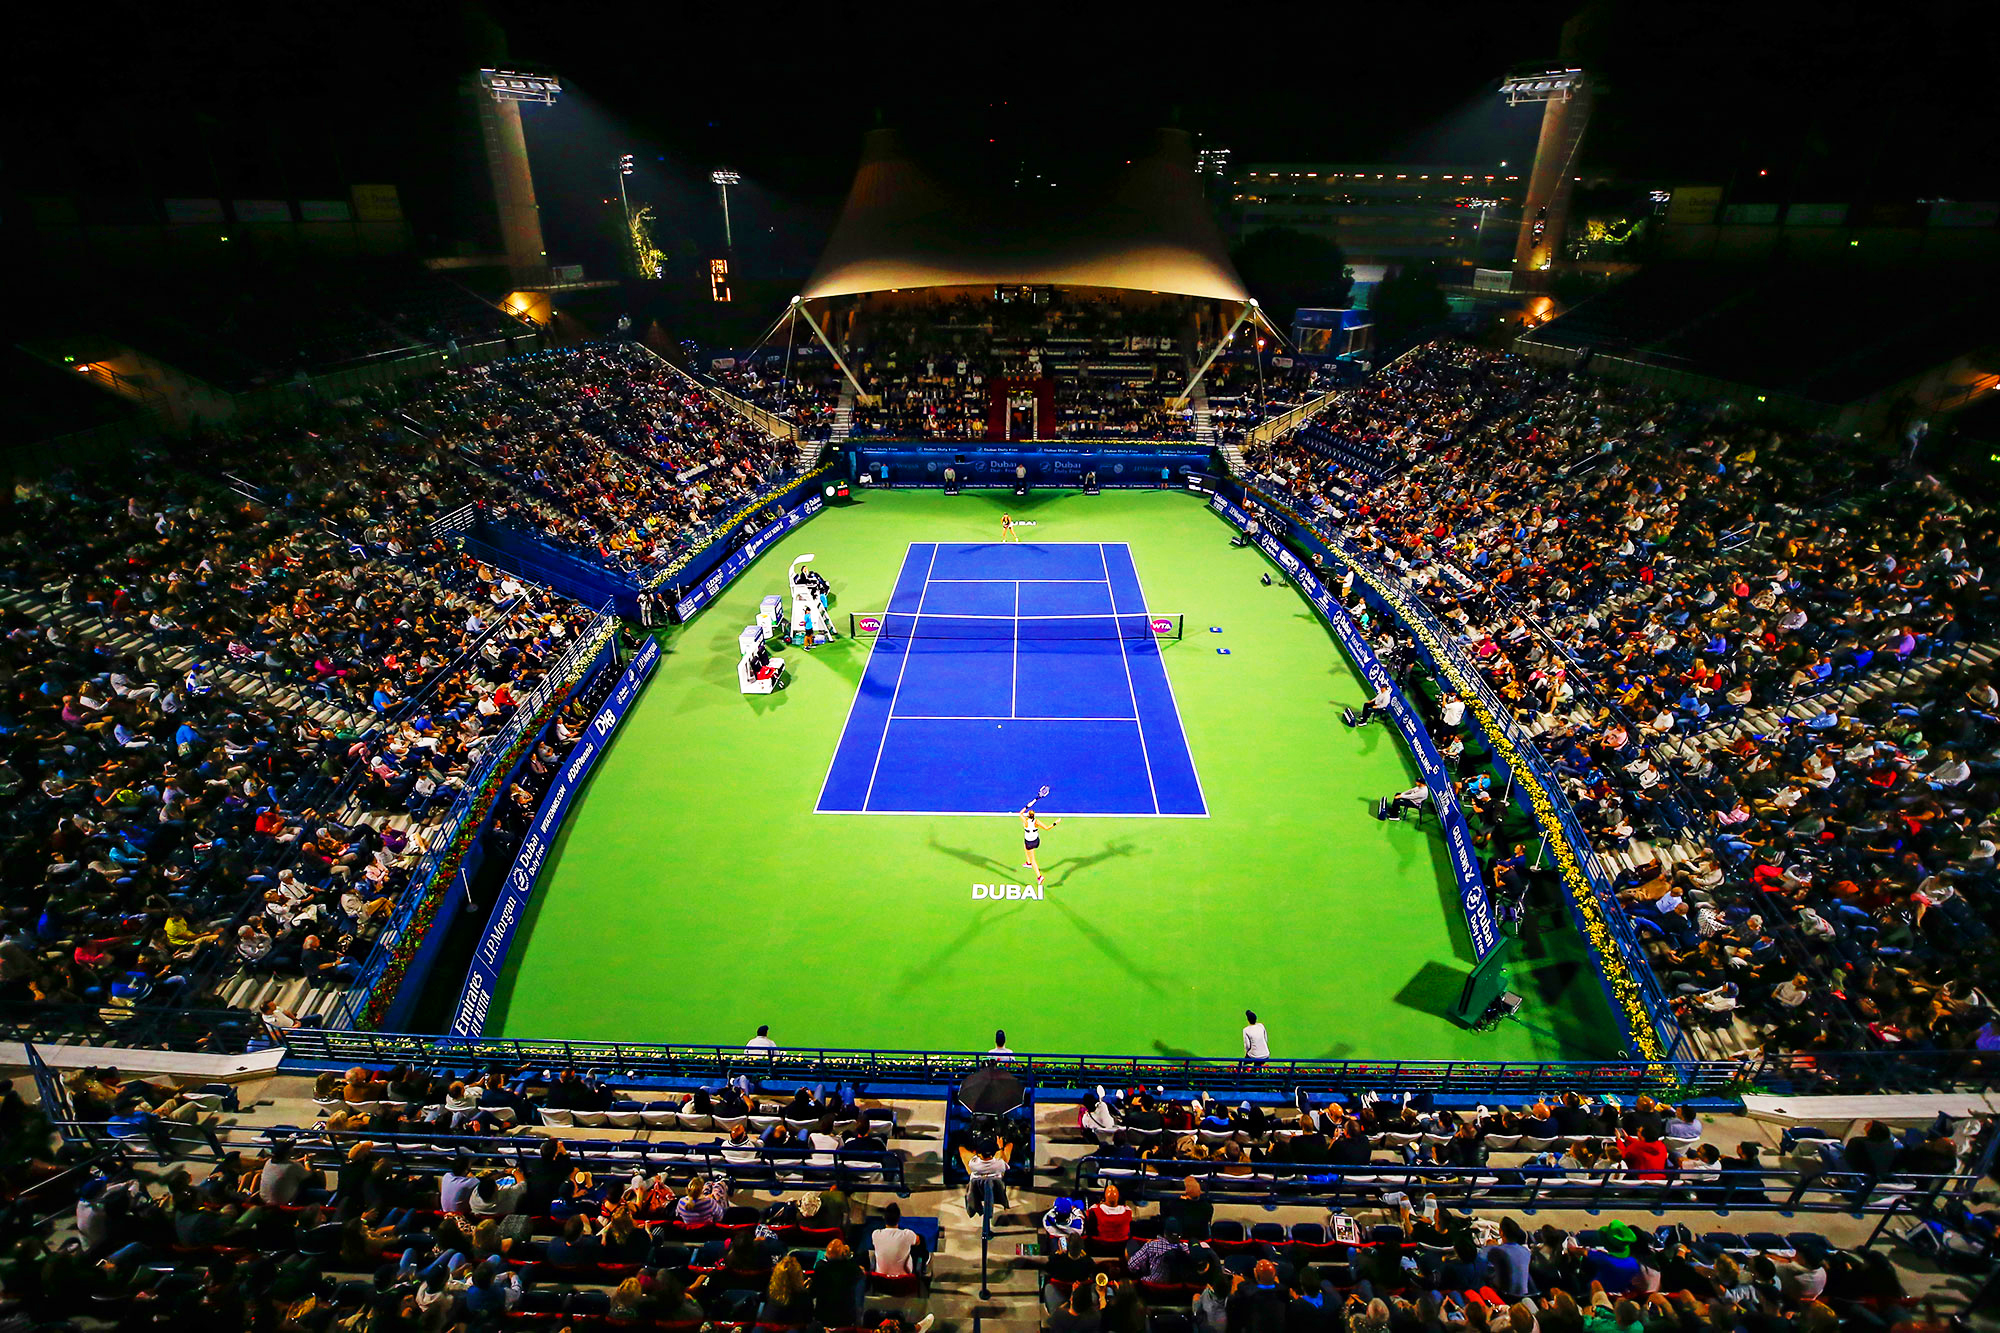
(695, 894)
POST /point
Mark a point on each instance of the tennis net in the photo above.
(1132, 626)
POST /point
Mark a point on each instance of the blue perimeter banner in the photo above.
(739, 559)
(980, 463)
(1472, 896)
(482, 979)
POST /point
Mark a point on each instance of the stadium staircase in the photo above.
(843, 416)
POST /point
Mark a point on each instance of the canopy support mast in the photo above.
(860, 395)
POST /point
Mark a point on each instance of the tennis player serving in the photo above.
(1031, 833)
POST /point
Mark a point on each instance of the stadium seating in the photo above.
(246, 690)
(1757, 668)
(1112, 365)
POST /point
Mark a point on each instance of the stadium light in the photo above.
(507, 85)
(624, 170)
(1552, 85)
(724, 178)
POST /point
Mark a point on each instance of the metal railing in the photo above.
(421, 1147)
(1825, 1072)
(1526, 1188)
(124, 1027)
(1883, 1072)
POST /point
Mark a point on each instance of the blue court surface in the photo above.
(1000, 669)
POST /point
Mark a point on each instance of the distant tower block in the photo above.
(507, 162)
(1565, 95)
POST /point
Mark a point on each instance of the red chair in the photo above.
(903, 1286)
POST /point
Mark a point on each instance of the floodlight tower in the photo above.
(507, 163)
(1565, 95)
(724, 178)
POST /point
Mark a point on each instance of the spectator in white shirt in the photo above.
(1256, 1041)
(1394, 806)
(762, 1041)
(894, 1245)
(1951, 773)
(1001, 1050)
(1453, 712)
(496, 1196)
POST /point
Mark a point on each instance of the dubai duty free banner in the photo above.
(482, 978)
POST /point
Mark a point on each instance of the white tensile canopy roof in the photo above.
(1149, 231)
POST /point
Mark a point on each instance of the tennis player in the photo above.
(1007, 528)
(1031, 833)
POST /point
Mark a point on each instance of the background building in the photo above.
(1384, 215)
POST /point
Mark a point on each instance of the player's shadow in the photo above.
(973, 859)
(1105, 945)
(924, 973)
(1070, 864)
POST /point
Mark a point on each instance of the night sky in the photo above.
(123, 101)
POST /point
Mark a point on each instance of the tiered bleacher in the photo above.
(602, 451)
(407, 1196)
(1819, 332)
(248, 693)
(1756, 660)
(1113, 364)
(803, 391)
(434, 1195)
(1239, 398)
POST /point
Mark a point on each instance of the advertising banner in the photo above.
(1473, 899)
(977, 464)
(739, 560)
(482, 979)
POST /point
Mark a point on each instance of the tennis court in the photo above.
(999, 669)
(698, 891)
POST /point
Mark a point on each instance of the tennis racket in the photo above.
(1038, 796)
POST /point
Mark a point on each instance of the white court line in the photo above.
(988, 814)
(1186, 744)
(1146, 757)
(1017, 580)
(914, 620)
(855, 702)
(1014, 680)
(968, 546)
(1032, 717)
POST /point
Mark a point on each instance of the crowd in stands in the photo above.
(420, 1201)
(255, 805)
(1113, 1259)
(266, 325)
(356, 1223)
(1238, 398)
(926, 366)
(237, 709)
(1557, 1143)
(602, 451)
(1630, 573)
(803, 390)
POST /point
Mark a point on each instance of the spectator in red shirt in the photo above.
(1109, 1220)
(1645, 1156)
